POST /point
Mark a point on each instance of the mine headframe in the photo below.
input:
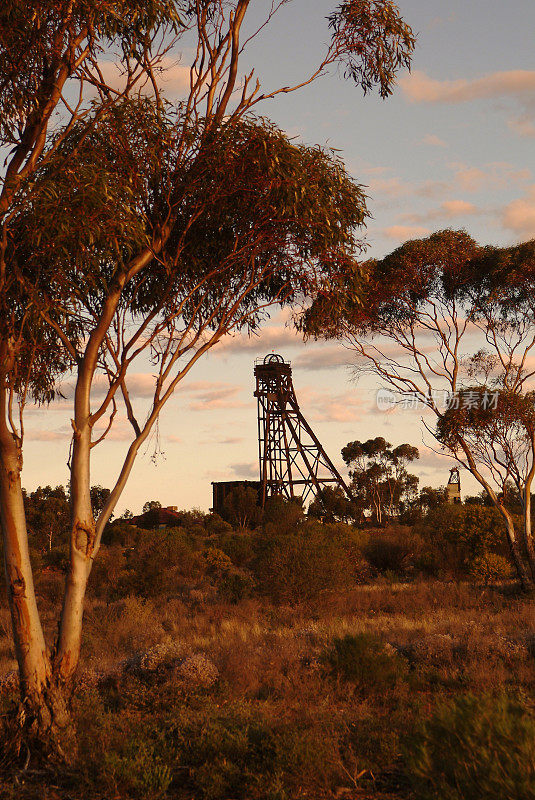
(453, 489)
(292, 461)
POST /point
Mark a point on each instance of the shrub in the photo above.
(461, 534)
(121, 532)
(364, 660)
(282, 516)
(108, 573)
(214, 524)
(50, 585)
(140, 768)
(302, 565)
(474, 748)
(490, 567)
(238, 547)
(160, 560)
(57, 558)
(226, 755)
(236, 585)
(217, 562)
(394, 550)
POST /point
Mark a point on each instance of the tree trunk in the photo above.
(528, 536)
(30, 647)
(43, 713)
(82, 544)
(517, 555)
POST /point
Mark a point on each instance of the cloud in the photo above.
(139, 384)
(321, 358)
(322, 406)
(449, 209)
(519, 216)
(432, 189)
(464, 178)
(434, 141)
(433, 460)
(271, 338)
(456, 208)
(388, 187)
(226, 441)
(173, 77)
(420, 88)
(368, 170)
(121, 430)
(47, 436)
(248, 471)
(518, 85)
(495, 175)
(208, 395)
(401, 233)
(523, 125)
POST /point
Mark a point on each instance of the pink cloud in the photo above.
(247, 471)
(457, 208)
(401, 233)
(432, 189)
(388, 187)
(270, 338)
(518, 85)
(173, 77)
(495, 175)
(523, 125)
(434, 141)
(46, 436)
(420, 88)
(449, 209)
(519, 216)
(322, 406)
(215, 395)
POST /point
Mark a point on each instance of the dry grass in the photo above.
(266, 674)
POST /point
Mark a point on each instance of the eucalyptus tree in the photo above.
(379, 477)
(153, 229)
(449, 327)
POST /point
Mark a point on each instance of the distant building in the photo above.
(453, 489)
(158, 518)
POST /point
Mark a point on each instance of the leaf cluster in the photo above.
(244, 208)
(38, 38)
(373, 42)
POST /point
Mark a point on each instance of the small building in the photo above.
(158, 519)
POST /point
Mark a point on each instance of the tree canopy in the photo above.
(449, 326)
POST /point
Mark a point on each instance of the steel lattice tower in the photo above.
(292, 461)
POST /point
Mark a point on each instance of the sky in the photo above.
(453, 147)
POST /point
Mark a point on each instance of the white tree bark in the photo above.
(30, 647)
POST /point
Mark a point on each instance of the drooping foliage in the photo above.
(371, 54)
